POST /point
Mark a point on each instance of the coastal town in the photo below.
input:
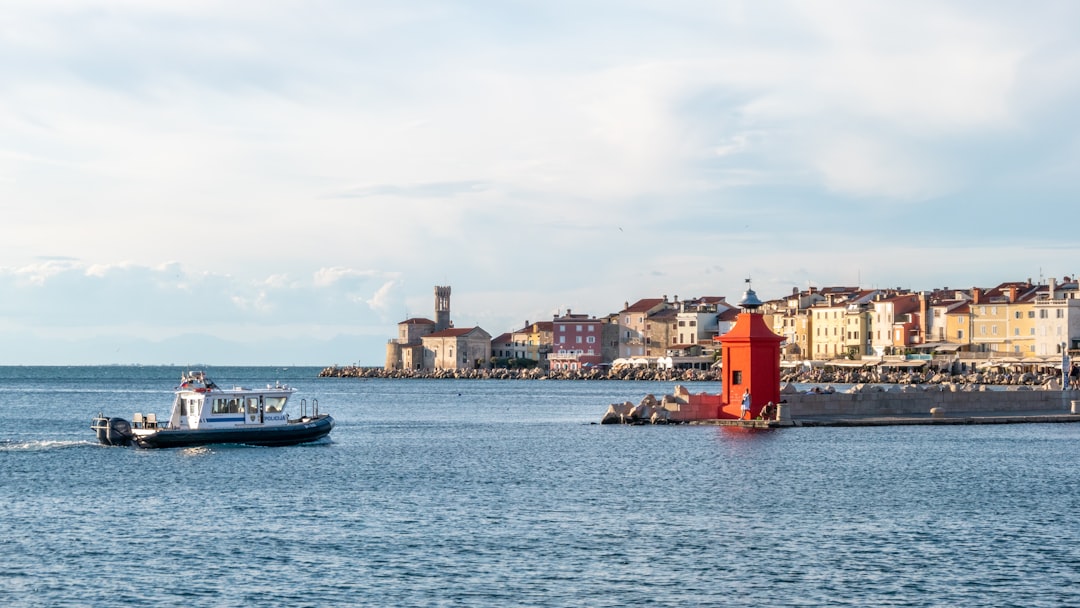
(1014, 331)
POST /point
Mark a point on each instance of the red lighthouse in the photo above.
(751, 359)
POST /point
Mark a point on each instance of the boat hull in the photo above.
(293, 433)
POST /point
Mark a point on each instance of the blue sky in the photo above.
(282, 182)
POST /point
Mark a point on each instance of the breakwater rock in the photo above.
(675, 375)
(824, 375)
(649, 411)
(828, 375)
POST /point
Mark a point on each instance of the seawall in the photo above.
(934, 404)
(897, 401)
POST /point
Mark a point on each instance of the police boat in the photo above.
(204, 413)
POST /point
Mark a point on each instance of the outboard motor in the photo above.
(112, 431)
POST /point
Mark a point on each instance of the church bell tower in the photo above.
(442, 308)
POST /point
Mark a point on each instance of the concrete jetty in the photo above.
(863, 405)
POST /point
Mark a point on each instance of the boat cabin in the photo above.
(201, 404)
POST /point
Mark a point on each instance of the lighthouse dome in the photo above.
(749, 301)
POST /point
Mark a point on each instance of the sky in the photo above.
(281, 183)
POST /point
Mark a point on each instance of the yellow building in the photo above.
(829, 325)
(533, 341)
(993, 319)
(841, 326)
(957, 325)
(1023, 324)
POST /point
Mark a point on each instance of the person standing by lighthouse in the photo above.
(745, 405)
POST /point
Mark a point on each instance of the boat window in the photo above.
(274, 404)
(253, 405)
(221, 406)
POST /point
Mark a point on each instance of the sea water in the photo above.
(505, 493)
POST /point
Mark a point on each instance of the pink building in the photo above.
(576, 342)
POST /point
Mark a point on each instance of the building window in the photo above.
(736, 377)
(590, 339)
(578, 339)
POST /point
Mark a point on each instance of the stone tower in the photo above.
(442, 308)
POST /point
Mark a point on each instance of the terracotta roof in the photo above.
(705, 300)
(417, 321)
(453, 332)
(503, 338)
(538, 326)
(644, 305)
(664, 314)
(899, 297)
(729, 315)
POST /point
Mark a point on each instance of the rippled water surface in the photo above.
(495, 493)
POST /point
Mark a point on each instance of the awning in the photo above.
(943, 347)
(907, 363)
(850, 363)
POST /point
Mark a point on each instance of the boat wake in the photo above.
(43, 445)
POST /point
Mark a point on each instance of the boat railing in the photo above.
(314, 408)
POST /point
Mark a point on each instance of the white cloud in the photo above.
(381, 299)
(290, 165)
(864, 166)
